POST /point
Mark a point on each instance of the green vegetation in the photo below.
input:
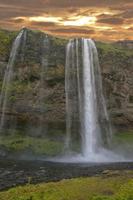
(123, 143)
(19, 87)
(108, 48)
(40, 146)
(55, 75)
(59, 41)
(6, 39)
(112, 186)
(15, 142)
(125, 137)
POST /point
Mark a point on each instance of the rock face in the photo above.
(36, 100)
(117, 72)
(125, 44)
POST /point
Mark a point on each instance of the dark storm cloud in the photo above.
(111, 20)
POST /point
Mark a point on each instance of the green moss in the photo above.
(41, 146)
(6, 39)
(123, 142)
(124, 137)
(59, 41)
(95, 188)
(108, 48)
(55, 75)
(20, 87)
(17, 88)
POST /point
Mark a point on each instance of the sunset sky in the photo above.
(106, 20)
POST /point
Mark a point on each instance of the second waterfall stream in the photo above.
(9, 74)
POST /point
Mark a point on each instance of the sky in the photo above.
(105, 20)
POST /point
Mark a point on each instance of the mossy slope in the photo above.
(114, 187)
(38, 146)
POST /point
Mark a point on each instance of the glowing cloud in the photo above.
(45, 19)
(102, 20)
(80, 21)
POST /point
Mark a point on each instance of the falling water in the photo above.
(43, 86)
(84, 89)
(44, 59)
(23, 45)
(8, 76)
(97, 131)
(68, 94)
(71, 89)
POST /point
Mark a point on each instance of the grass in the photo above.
(123, 143)
(112, 187)
(59, 41)
(108, 48)
(18, 142)
(39, 146)
(6, 39)
(125, 137)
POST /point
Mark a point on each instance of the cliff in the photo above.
(36, 102)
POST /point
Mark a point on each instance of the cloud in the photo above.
(44, 24)
(10, 12)
(70, 17)
(64, 3)
(73, 31)
(20, 20)
(111, 20)
(127, 14)
(130, 29)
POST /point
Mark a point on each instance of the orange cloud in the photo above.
(101, 20)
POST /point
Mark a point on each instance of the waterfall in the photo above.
(23, 44)
(45, 58)
(84, 98)
(90, 122)
(67, 92)
(43, 86)
(8, 76)
(71, 89)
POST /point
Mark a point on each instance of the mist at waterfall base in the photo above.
(88, 130)
(84, 98)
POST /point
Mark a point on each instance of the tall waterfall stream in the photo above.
(85, 103)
